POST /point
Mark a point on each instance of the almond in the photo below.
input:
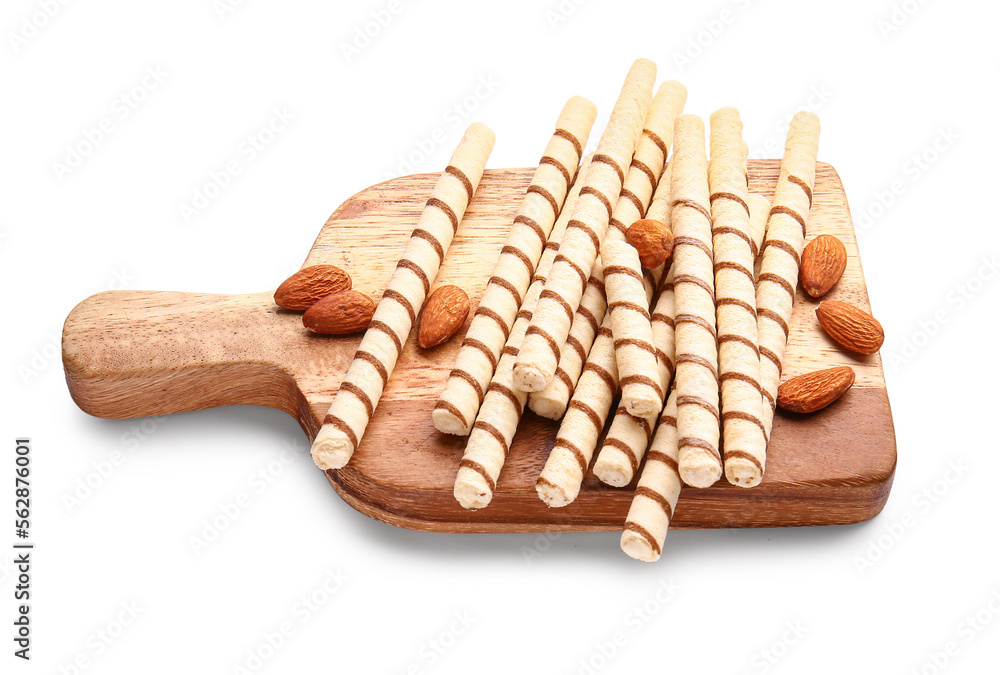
(310, 284)
(652, 240)
(823, 262)
(813, 391)
(339, 314)
(851, 328)
(444, 313)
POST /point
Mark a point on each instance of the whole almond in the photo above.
(652, 240)
(340, 314)
(850, 327)
(824, 260)
(307, 286)
(444, 313)
(813, 391)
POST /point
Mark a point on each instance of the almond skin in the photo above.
(853, 329)
(824, 260)
(652, 240)
(813, 391)
(444, 313)
(340, 314)
(309, 285)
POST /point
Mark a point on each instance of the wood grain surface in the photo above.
(137, 353)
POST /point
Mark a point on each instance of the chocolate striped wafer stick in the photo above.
(401, 301)
(477, 358)
(644, 175)
(694, 294)
(656, 495)
(782, 251)
(567, 282)
(559, 482)
(631, 329)
(743, 439)
(629, 435)
(497, 419)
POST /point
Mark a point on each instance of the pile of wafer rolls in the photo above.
(657, 378)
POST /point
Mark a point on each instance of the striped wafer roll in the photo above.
(641, 180)
(401, 301)
(782, 251)
(477, 358)
(498, 417)
(656, 495)
(629, 435)
(567, 282)
(626, 441)
(743, 439)
(632, 330)
(759, 210)
(559, 482)
(694, 296)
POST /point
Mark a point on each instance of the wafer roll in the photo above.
(626, 441)
(782, 251)
(401, 301)
(743, 438)
(498, 417)
(694, 295)
(632, 330)
(561, 477)
(656, 495)
(644, 175)
(553, 317)
(477, 358)
(759, 210)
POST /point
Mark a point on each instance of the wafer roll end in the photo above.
(449, 422)
(471, 489)
(331, 449)
(642, 402)
(555, 495)
(636, 546)
(578, 106)
(550, 407)
(743, 472)
(699, 468)
(528, 377)
(481, 135)
(613, 467)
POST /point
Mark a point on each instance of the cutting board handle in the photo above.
(140, 353)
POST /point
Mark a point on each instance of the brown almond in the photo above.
(444, 313)
(340, 314)
(310, 284)
(850, 327)
(813, 391)
(824, 260)
(652, 240)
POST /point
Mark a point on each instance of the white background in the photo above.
(886, 92)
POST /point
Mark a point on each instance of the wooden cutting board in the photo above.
(137, 353)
